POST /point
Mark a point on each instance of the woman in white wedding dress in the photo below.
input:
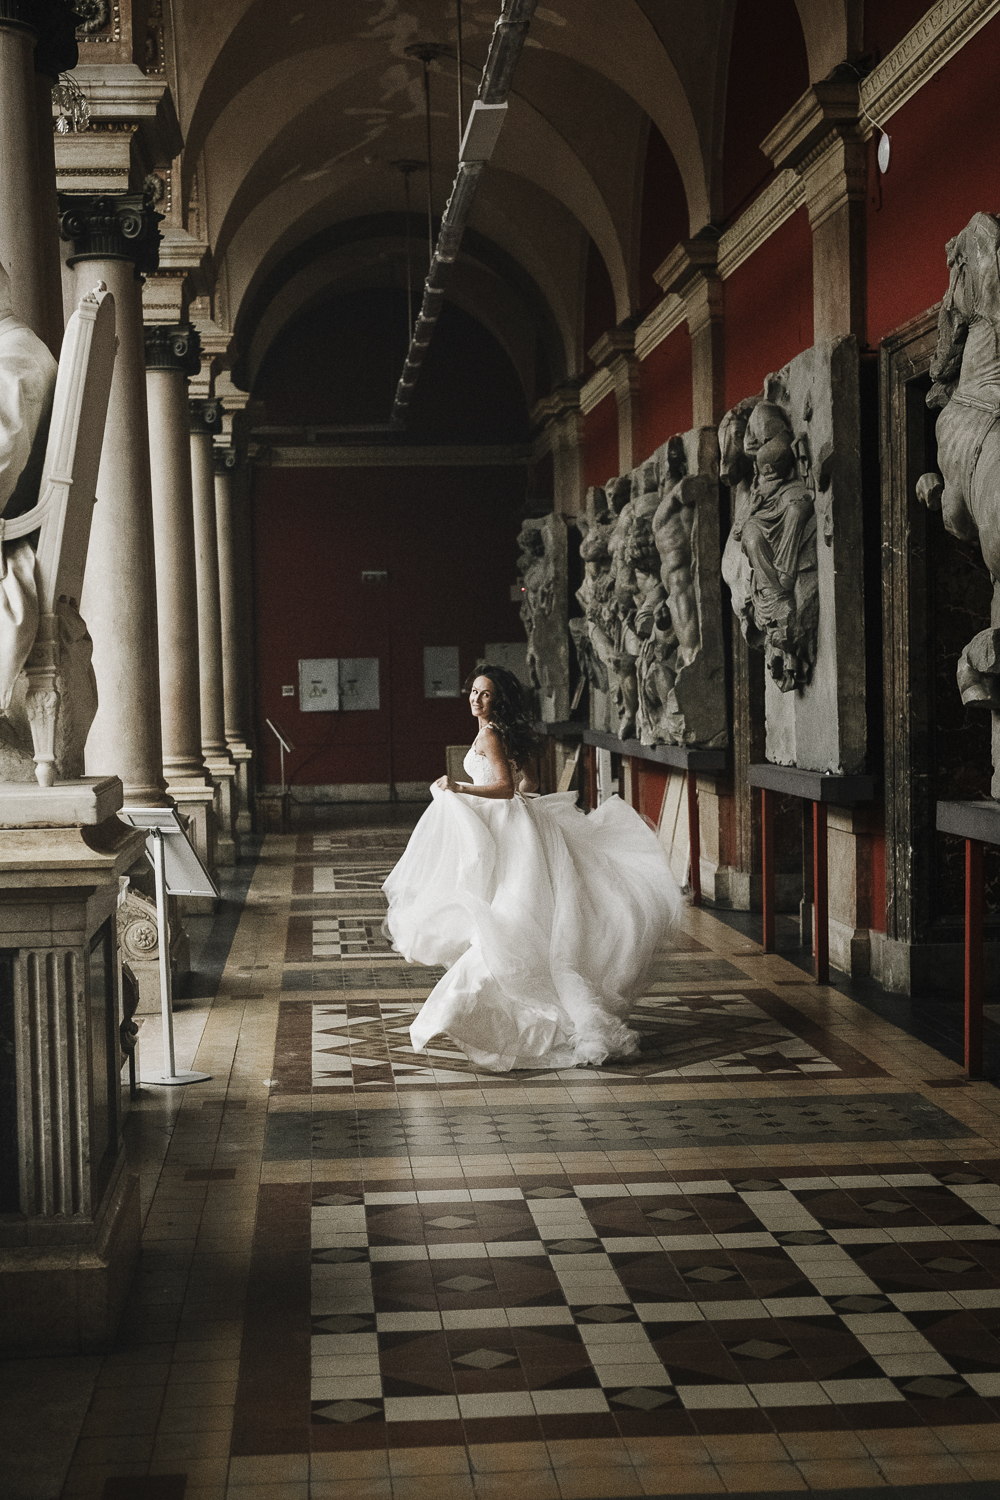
(545, 918)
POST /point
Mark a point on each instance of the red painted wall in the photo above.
(447, 537)
(887, 22)
(600, 442)
(665, 394)
(652, 786)
(768, 71)
(943, 168)
(769, 308)
(664, 215)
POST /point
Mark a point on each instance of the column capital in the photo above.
(689, 264)
(206, 416)
(225, 459)
(828, 108)
(111, 226)
(172, 348)
(54, 23)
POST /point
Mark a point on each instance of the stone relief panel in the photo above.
(542, 569)
(966, 393)
(650, 638)
(793, 558)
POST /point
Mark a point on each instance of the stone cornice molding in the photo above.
(174, 348)
(835, 172)
(594, 390)
(54, 25)
(667, 315)
(392, 456)
(768, 212)
(112, 226)
(205, 416)
(687, 261)
(562, 401)
(825, 109)
(121, 93)
(611, 345)
(935, 39)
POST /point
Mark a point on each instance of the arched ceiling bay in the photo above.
(295, 110)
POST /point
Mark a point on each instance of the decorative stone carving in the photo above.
(206, 417)
(48, 706)
(541, 567)
(174, 347)
(650, 640)
(966, 391)
(113, 226)
(791, 457)
(139, 939)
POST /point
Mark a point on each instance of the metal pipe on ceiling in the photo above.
(485, 119)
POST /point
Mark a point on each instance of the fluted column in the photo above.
(233, 589)
(114, 240)
(206, 421)
(172, 355)
(34, 37)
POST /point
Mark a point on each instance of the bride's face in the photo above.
(481, 698)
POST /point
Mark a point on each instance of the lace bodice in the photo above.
(477, 767)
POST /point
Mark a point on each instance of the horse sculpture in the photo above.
(966, 375)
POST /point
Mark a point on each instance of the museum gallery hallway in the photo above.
(763, 1257)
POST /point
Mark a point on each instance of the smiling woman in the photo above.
(545, 918)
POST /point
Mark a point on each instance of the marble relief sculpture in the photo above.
(541, 566)
(770, 556)
(966, 392)
(51, 433)
(649, 640)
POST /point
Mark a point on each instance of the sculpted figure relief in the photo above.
(770, 556)
(966, 392)
(642, 640)
(541, 566)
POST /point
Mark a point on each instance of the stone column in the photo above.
(691, 271)
(33, 36)
(172, 355)
(114, 239)
(560, 413)
(205, 421)
(820, 138)
(234, 584)
(615, 351)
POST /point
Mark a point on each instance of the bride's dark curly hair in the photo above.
(508, 712)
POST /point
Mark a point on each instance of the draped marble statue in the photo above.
(966, 393)
(51, 432)
(541, 566)
(770, 556)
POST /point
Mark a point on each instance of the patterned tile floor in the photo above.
(762, 1256)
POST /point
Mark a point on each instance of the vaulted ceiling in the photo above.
(295, 111)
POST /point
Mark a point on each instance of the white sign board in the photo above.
(512, 655)
(441, 679)
(319, 684)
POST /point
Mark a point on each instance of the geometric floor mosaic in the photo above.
(365, 1043)
(491, 1130)
(640, 1301)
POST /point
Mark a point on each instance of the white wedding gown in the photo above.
(546, 919)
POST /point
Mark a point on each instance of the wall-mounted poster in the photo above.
(319, 684)
(441, 679)
(359, 682)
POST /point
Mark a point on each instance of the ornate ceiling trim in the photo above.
(942, 32)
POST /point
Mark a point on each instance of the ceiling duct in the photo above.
(485, 120)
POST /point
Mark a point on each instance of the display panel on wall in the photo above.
(331, 683)
(441, 676)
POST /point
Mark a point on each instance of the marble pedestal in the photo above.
(69, 1209)
(223, 774)
(243, 760)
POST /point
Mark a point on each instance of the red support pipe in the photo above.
(694, 836)
(973, 958)
(767, 862)
(821, 913)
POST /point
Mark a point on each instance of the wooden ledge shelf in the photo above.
(978, 823)
(823, 790)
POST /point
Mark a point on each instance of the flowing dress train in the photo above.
(545, 918)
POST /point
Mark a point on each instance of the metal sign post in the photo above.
(283, 745)
(178, 872)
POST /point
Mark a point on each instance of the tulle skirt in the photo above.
(545, 919)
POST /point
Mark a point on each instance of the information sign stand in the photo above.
(178, 872)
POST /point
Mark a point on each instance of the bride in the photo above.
(545, 918)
